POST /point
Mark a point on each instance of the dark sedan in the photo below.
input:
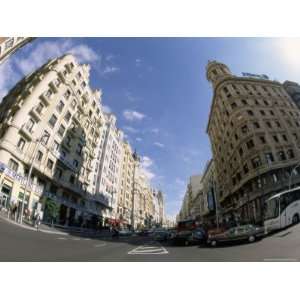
(248, 233)
(188, 237)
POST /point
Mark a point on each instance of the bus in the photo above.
(282, 210)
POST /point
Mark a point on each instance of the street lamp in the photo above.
(38, 142)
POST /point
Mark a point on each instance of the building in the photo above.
(52, 120)
(293, 89)
(110, 156)
(209, 205)
(254, 133)
(9, 45)
(125, 201)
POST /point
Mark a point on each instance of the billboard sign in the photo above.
(256, 76)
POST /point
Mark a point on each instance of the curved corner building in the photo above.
(254, 132)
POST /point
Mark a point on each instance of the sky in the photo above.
(158, 90)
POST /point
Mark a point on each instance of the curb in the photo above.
(32, 228)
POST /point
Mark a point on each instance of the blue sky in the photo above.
(158, 90)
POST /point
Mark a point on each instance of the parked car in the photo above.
(125, 232)
(161, 235)
(247, 232)
(187, 237)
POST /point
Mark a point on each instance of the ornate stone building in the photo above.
(254, 132)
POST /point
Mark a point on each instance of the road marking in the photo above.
(87, 239)
(149, 249)
(280, 259)
(61, 238)
(76, 239)
(100, 245)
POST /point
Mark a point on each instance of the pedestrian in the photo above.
(37, 221)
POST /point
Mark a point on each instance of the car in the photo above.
(247, 232)
(188, 237)
(125, 232)
(161, 235)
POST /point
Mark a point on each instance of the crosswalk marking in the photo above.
(149, 249)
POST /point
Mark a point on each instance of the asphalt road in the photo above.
(19, 244)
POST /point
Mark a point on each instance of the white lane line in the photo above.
(100, 245)
(149, 250)
(76, 239)
(61, 238)
(87, 239)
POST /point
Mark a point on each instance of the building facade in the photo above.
(9, 45)
(110, 155)
(293, 89)
(52, 120)
(254, 133)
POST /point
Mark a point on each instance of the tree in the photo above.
(51, 209)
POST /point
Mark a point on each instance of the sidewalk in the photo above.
(57, 229)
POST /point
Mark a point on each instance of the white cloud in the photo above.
(51, 49)
(130, 129)
(132, 115)
(109, 70)
(146, 164)
(138, 62)
(106, 109)
(155, 130)
(179, 181)
(7, 78)
(160, 145)
(130, 97)
(138, 139)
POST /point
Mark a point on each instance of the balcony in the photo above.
(35, 114)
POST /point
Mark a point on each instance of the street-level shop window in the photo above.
(12, 164)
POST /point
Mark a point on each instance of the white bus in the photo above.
(282, 210)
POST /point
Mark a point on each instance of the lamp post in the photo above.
(38, 142)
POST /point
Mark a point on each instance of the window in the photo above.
(250, 144)
(269, 124)
(83, 84)
(68, 140)
(295, 136)
(266, 103)
(275, 138)
(271, 113)
(72, 179)
(78, 75)
(29, 125)
(281, 155)
(262, 113)
(290, 154)
(256, 162)
(39, 156)
(45, 137)
(58, 173)
(60, 106)
(55, 146)
(50, 164)
(262, 139)
(284, 138)
(21, 143)
(246, 169)
(245, 129)
(275, 177)
(61, 130)
(40, 108)
(269, 158)
(236, 137)
(12, 164)
(52, 121)
(256, 125)
(67, 117)
(250, 112)
(233, 105)
(9, 43)
(74, 82)
(48, 93)
(73, 104)
(278, 124)
(67, 94)
(75, 163)
(241, 152)
(79, 149)
(244, 102)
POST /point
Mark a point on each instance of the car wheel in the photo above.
(295, 219)
(251, 238)
(213, 243)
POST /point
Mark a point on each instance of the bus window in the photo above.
(272, 208)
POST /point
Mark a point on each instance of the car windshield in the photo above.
(272, 208)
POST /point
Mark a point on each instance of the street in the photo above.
(19, 244)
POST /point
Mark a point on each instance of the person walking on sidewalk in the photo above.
(37, 221)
